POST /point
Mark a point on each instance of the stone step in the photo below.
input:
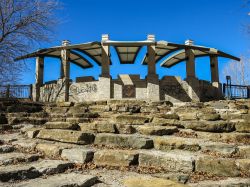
(68, 136)
(27, 120)
(156, 130)
(209, 126)
(98, 127)
(158, 121)
(123, 141)
(150, 182)
(78, 155)
(172, 161)
(61, 180)
(6, 148)
(131, 119)
(61, 125)
(167, 143)
(115, 158)
(229, 182)
(15, 157)
(34, 170)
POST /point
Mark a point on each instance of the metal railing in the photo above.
(231, 91)
(16, 91)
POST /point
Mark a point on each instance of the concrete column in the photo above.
(104, 86)
(151, 56)
(39, 76)
(153, 88)
(66, 69)
(190, 64)
(214, 69)
(105, 57)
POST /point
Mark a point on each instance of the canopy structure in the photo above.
(181, 55)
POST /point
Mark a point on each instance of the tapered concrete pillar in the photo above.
(39, 76)
(190, 64)
(105, 57)
(105, 79)
(66, 69)
(214, 70)
(153, 89)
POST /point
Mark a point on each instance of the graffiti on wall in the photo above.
(85, 88)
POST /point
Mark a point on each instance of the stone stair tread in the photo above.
(223, 183)
(33, 170)
(15, 157)
(60, 125)
(61, 180)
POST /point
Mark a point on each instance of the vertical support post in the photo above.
(190, 64)
(39, 76)
(105, 57)
(104, 86)
(8, 91)
(214, 70)
(153, 88)
(66, 69)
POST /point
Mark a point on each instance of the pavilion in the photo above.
(127, 86)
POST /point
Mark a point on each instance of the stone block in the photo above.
(243, 126)
(115, 158)
(167, 161)
(131, 119)
(67, 136)
(122, 140)
(98, 127)
(78, 155)
(156, 130)
(150, 182)
(166, 122)
(217, 166)
(61, 125)
(244, 166)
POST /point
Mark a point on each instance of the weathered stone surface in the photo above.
(34, 170)
(18, 172)
(78, 155)
(209, 117)
(169, 161)
(229, 182)
(3, 119)
(149, 109)
(115, 158)
(156, 130)
(125, 129)
(131, 119)
(168, 116)
(173, 176)
(27, 120)
(188, 116)
(65, 104)
(61, 125)
(166, 122)
(85, 115)
(244, 165)
(6, 148)
(51, 150)
(210, 126)
(122, 140)
(62, 180)
(170, 143)
(150, 182)
(243, 126)
(98, 127)
(223, 148)
(32, 132)
(217, 166)
(77, 120)
(66, 136)
(244, 151)
(50, 167)
(15, 157)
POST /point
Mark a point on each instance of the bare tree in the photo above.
(239, 71)
(23, 25)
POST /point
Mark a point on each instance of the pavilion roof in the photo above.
(127, 52)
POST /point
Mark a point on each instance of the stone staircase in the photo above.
(125, 143)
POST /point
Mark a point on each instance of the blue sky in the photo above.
(214, 23)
